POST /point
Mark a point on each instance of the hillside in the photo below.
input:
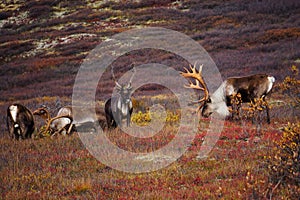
(43, 43)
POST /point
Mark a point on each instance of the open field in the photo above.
(42, 46)
(63, 168)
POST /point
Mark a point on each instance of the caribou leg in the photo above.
(128, 120)
(268, 115)
(70, 129)
(114, 124)
(61, 130)
(119, 119)
(110, 122)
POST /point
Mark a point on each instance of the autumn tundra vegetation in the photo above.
(43, 44)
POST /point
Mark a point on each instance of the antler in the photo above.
(43, 112)
(117, 83)
(199, 82)
(134, 71)
(54, 118)
(113, 75)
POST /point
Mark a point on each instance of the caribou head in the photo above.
(120, 106)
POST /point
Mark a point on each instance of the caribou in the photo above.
(119, 107)
(256, 86)
(20, 121)
(62, 123)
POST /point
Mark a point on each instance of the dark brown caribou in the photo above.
(20, 122)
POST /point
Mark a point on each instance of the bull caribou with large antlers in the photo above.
(62, 123)
(120, 106)
(249, 87)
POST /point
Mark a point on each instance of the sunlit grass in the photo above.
(62, 166)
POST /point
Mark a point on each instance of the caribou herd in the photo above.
(21, 123)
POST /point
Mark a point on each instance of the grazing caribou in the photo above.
(62, 123)
(120, 106)
(20, 121)
(249, 87)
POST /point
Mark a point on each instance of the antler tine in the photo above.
(134, 71)
(206, 93)
(186, 71)
(194, 86)
(195, 65)
(200, 68)
(193, 69)
(113, 75)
